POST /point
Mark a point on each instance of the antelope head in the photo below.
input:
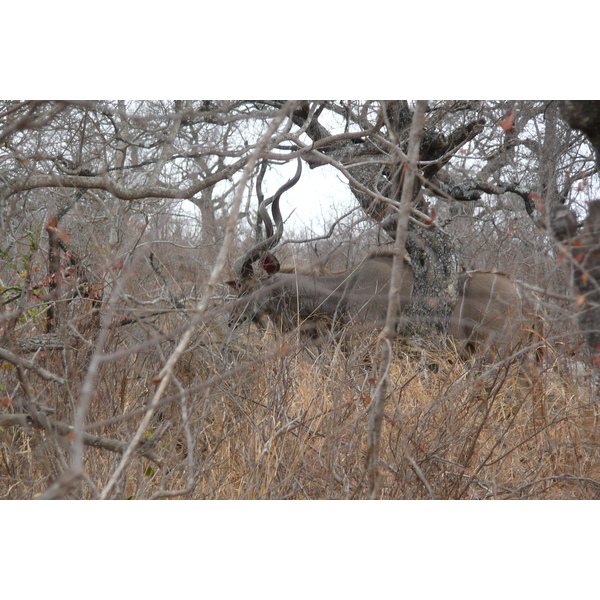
(246, 280)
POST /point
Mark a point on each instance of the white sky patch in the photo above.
(321, 196)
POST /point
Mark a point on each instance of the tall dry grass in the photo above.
(261, 417)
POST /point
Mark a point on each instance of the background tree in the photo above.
(585, 249)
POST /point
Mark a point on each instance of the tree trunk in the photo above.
(585, 116)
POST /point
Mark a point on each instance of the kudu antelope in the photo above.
(313, 302)
(493, 317)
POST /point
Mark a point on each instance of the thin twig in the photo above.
(405, 174)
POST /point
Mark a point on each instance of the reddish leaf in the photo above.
(51, 228)
(508, 122)
(432, 217)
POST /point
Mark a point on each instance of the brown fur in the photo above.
(494, 317)
(315, 302)
(308, 270)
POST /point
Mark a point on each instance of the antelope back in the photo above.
(493, 316)
(317, 303)
(368, 291)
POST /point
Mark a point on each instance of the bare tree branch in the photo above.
(27, 364)
(405, 174)
(121, 191)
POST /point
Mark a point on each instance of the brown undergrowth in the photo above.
(262, 418)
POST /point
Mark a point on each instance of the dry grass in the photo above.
(259, 419)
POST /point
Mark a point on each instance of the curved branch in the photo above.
(123, 192)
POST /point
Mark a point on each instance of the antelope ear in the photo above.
(269, 263)
(234, 284)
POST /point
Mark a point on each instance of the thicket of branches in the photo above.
(121, 379)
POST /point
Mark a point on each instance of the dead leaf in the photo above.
(432, 217)
(508, 122)
(52, 228)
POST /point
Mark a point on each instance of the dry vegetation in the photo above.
(261, 417)
(251, 414)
